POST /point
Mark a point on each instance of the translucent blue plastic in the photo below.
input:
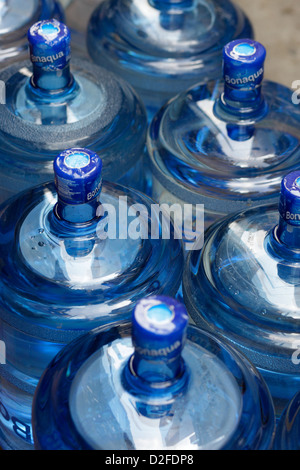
(64, 271)
(51, 108)
(16, 18)
(163, 47)
(288, 429)
(226, 144)
(155, 384)
(245, 285)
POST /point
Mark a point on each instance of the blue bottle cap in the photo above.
(289, 205)
(78, 176)
(243, 63)
(159, 327)
(49, 43)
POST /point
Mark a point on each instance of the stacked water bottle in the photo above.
(149, 230)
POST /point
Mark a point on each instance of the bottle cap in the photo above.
(243, 64)
(159, 328)
(49, 43)
(78, 176)
(289, 205)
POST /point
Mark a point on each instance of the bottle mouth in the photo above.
(78, 176)
(289, 205)
(243, 49)
(77, 159)
(49, 42)
(160, 314)
(243, 64)
(285, 237)
(242, 100)
(159, 328)
(49, 30)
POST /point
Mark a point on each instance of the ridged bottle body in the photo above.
(98, 111)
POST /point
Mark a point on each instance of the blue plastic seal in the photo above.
(49, 43)
(159, 327)
(171, 4)
(243, 64)
(289, 205)
(78, 176)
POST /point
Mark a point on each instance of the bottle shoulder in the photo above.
(58, 270)
(148, 36)
(240, 282)
(161, 419)
(287, 432)
(234, 160)
(112, 98)
(95, 114)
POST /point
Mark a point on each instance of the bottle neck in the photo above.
(288, 234)
(240, 109)
(60, 81)
(242, 103)
(154, 371)
(141, 378)
(79, 213)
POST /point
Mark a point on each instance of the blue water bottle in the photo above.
(288, 429)
(163, 47)
(226, 145)
(73, 256)
(153, 384)
(15, 19)
(53, 103)
(244, 284)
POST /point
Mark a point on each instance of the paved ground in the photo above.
(277, 26)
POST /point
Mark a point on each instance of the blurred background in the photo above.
(276, 24)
